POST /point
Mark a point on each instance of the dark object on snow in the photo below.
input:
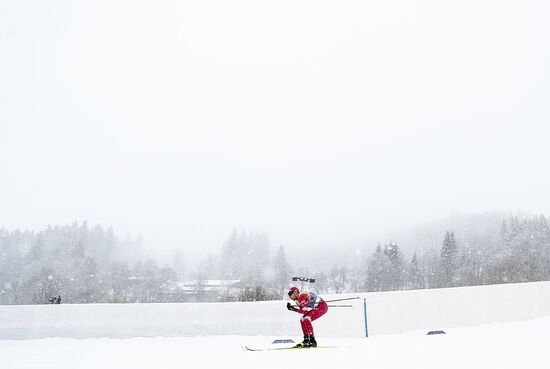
(283, 341)
(430, 333)
(55, 300)
(303, 279)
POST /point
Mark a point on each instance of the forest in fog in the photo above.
(86, 264)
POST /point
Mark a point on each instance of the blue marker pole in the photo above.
(365, 312)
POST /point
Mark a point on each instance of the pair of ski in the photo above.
(248, 348)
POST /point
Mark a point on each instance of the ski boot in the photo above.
(304, 343)
(312, 342)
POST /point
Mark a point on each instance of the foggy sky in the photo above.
(321, 123)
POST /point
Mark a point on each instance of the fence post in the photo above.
(365, 313)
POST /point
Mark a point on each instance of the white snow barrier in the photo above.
(387, 312)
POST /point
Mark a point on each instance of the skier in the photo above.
(311, 307)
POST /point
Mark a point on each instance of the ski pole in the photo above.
(351, 298)
(340, 306)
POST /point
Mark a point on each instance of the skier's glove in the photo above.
(290, 307)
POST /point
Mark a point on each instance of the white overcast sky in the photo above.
(319, 122)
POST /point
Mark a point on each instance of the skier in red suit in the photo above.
(311, 307)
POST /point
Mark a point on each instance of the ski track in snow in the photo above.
(504, 345)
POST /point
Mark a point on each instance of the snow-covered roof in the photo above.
(211, 282)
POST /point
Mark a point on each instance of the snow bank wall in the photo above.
(387, 312)
(392, 312)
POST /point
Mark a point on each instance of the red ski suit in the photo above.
(312, 307)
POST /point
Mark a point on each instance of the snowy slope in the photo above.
(388, 312)
(501, 345)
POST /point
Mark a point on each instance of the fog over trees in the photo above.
(87, 264)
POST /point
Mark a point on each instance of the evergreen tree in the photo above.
(281, 272)
(231, 257)
(119, 278)
(377, 272)
(415, 280)
(394, 275)
(448, 267)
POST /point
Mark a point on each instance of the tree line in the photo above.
(91, 265)
(80, 263)
(518, 252)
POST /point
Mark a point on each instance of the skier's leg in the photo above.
(306, 323)
(304, 326)
(314, 314)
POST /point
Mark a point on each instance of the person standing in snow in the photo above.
(311, 307)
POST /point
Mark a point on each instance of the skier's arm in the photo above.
(293, 308)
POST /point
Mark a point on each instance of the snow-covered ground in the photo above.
(504, 326)
(512, 345)
(388, 312)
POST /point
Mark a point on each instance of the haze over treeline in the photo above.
(86, 264)
(319, 123)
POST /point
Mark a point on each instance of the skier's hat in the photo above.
(292, 290)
